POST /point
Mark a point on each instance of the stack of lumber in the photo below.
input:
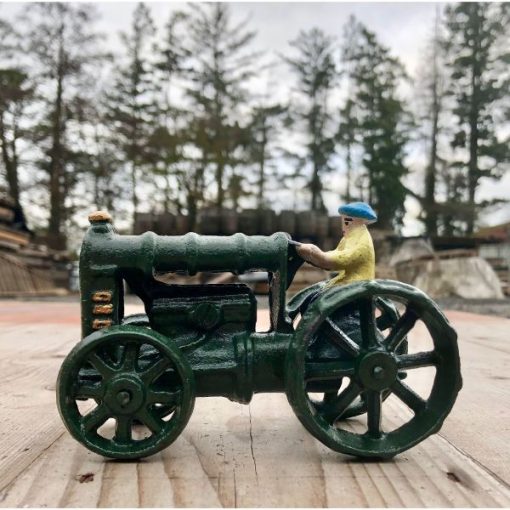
(497, 254)
(27, 268)
(16, 278)
(502, 269)
(10, 237)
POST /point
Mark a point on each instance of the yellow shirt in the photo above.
(353, 258)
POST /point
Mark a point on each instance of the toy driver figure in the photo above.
(353, 258)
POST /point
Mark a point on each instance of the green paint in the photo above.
(199, 341)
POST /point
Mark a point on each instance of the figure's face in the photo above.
(348, 223)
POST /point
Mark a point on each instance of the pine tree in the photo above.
(347, 136)
(65, 58)
(436, 91)
(219, 70)
(166, 143)
(348, 129)
(266, 124)
(432, 111)
(15, 94)
(477, 44)
(382, 119)
(238, 146)
(316, 73)
(103, 161)
(192, 175)
(131, 101)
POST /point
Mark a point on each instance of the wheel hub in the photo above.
(124, 394)
(377, 370)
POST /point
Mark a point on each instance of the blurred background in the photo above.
(250, 117)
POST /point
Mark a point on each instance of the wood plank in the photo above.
(478, 424)
(258, 455)
(13, 236)
(29, 363)
(30, 357)
(220, 461)
(34, 312)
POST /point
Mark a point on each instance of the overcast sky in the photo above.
(403, 27)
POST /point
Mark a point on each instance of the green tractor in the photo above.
(128, 388)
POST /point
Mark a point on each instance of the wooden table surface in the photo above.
(247, 456)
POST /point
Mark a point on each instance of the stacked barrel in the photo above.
(306, 226)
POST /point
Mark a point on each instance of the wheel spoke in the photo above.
(330, 396)
(155, 370)
(153, 423)
(408, 396)
(418, 360)
(164, 397)
(123, 429)
(383, 322)
(404, 324)
(328, 370)
(340, 339)
(96, 418)
(374, 408)
(332, 411)
(106, 371)
(130, 356)
(389, 315)
(89, 390)
(367, 322)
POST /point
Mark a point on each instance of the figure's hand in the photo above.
(306, 251)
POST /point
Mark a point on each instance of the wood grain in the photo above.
(480, 423)
(232, 455)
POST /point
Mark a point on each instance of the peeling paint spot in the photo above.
(102, 296)
(101, 323)
(103, 309)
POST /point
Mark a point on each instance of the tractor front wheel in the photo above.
(113, 385)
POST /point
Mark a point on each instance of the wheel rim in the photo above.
(387, 319)
(373, 369)
(131, 375)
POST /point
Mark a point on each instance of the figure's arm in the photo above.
(316, 256)
(335, 260)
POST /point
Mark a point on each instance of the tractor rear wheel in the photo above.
(387, 318)
(373, 370)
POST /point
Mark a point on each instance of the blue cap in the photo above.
(358, 210)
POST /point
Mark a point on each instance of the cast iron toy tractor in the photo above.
(348, 352)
